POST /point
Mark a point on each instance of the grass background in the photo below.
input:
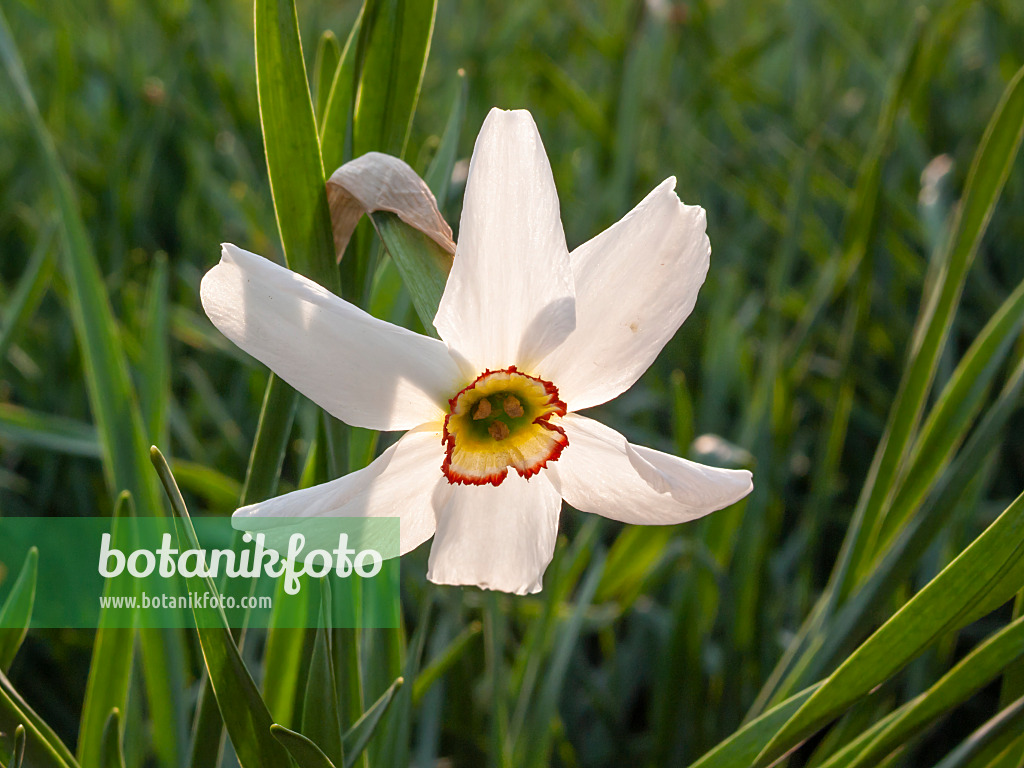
(767, 113)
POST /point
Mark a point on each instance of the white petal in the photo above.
(600, 472)
(362, 370)
(497, 537)
(404, 482)
(635, 284)
(509, 297)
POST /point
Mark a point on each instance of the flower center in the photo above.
(502, 420)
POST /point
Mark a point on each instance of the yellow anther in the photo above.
(498, 430)
(513, 407)
(483, 410)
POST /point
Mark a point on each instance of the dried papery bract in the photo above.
(379, 182)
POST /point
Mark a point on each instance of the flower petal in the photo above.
(405, 482)
(600, 472)
(364, 371)
(497, 537)
(635, 284)
(509, 297)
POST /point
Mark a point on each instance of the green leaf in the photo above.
(321, 720)
(306, 753)
(113, 650)
(982, 665)
(394, 41)
(16, 613)
(245, 715)
(1003, 729)
(42, 746)
(941, 606)
(29, 292)
(44, 430)
(439, 174)
(360, 733)
(743, 746)
(955, 409)
(111, 755)
(423, 264)
(112, 399)
(437, 668)
(328, 57)
(985, 180)
(18, 754)
(336, 121)
(535, 750)
(217, 490)
(155, 384)
(292, 145)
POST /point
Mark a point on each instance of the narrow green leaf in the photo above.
(44, 430)
(955, 409)
(437, 668)
(111, 755)
(292, 145)
(985, 180)
(743, 746)
(113, 651)
(217, 490)
(29, 292)
(328, 57)
(245, 715)
(16, 613)
(976, 670)
(360, 733)
(394, 40)
(18, 754)
(306, 753)
(112, 400)
(439, 174)
(535, 750)
(43, 747)
(423, 264)
(1006, 725)
(155, 385)
(321, 721)
(941, 606)
(336, 121)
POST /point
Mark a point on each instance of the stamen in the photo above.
(513, 407)
(483, 410)
(498, 430)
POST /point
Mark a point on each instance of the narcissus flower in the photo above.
(530, 334)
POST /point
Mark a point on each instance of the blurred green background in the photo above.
(767, 113)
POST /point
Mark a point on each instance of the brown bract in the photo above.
(379, 182)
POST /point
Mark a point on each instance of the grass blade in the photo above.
(394, 40)
(360, 733)
(245, 715)
(112, 399)
(16, 613)
(985, 181)
(977, 669)
(113, 651)
(743, 746)
(292, 144)
(941, 606)
(321, 720)
(111, 755)
(306, 753)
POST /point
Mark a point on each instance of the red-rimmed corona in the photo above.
(529, 334)
(502, 420)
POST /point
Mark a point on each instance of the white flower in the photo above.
(531, 334)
